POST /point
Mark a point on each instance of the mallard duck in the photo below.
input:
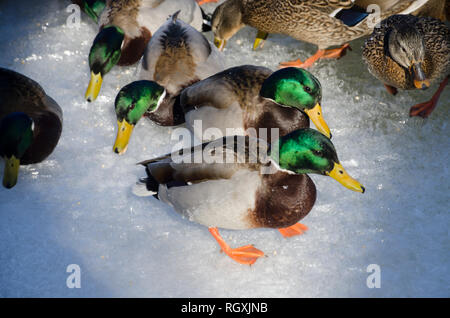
(254, 187)
(320, 22)
(125, 29)
(176, 57)
(93, 8)
(30, 123)
(246, 97)
(410, 52)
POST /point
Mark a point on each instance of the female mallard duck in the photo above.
(30, 123)
(254, 188)
(320, 22)
(176, 57)
(410, 52)
(252, 97)
(126, 26)
(93, 8)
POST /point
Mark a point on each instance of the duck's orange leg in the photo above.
(296, 229)
(308, 63)
(320, 54)
(337, 53)
(200, 2)
(246, 255)
(425, 109)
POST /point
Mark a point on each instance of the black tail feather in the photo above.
(206, 26)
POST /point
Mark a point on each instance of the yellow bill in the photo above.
(11, 172)
(422, 84)
(94, 87)
(315, 114)
(340, 175)
(260, 40)
(220, 44)
(123, 137)
(420, 78)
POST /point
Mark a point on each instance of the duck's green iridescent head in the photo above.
(132, 102)
(297, 88)
(308, 151)
(16, 136)
(105, 53)
(94, 8)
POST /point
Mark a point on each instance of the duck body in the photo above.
(233, 196)
(19, 93)
(177, 56)
(232, 100)
(433, 8)
(322, 23)
(139, 19)
(311, 21)
(409, 52)
(240, 182)
(436, 37)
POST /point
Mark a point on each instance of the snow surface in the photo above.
(77, 206)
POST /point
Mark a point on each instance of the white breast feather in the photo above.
(216, 203)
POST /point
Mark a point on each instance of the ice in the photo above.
(77, 207)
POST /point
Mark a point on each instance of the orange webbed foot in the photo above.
(336, 53)
(246, 255)
(308, 63)
(296, 229)
(425, 109)
(200, 2)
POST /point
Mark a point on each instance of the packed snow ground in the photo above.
(77, 207)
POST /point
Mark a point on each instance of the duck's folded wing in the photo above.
(218, 159)
(214, 91)
(237, 84)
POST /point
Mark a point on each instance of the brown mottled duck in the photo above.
(410, 52)
(325, 23)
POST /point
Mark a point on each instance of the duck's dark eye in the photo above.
(132, 106)
(317, 152)
(307, 89)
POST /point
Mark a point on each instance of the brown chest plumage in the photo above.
(282, 200)
(169, 113)
(133, 48)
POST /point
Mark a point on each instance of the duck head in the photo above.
(94, 8)
(407, 47)
(132, 102)
(16, 136)
(308, 151)
(299, 89)
(105, 53)
(226, 21)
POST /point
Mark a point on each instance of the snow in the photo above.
(76, 207)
